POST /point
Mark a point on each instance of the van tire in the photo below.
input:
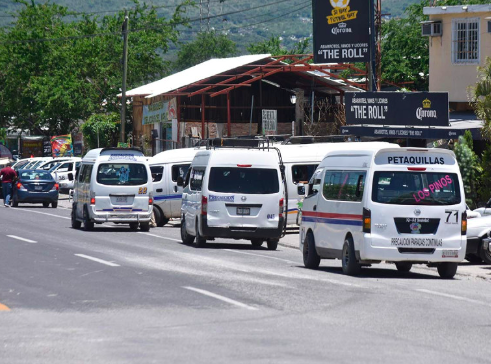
(447, 270)
(160, 219)
(349, 263)
(75, 223)
(256, 242)
(311, 259)
(200, 241)
(185, 237)
(484, 254)
(145, 226)
(404, 266)
(88, 225)
(272, 244)
(134, 226)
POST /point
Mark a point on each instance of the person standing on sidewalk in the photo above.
(7, 175)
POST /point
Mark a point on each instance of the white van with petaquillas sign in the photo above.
(400, 205)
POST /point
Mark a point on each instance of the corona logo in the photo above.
(339, 4)
(426, 104)
(342, 25)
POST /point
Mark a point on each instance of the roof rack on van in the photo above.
(116, 148)
(310, 139)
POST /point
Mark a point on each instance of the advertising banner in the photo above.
(159, 111)
(46, 148)
(397, 108)
(61, 146)
(341, 31)
(270, 122)
(32, 147)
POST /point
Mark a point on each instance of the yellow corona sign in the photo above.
(426, 104)
(341, 12)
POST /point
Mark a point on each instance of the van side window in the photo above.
(157, 172)
(344, 185)
(179, 170)
(302, 172)
(81, 173)
(196, 179)
(65, 167)
(88, 173)
(315, 182)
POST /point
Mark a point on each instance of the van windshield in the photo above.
(127, 174)
(416, 188)
(244, 180)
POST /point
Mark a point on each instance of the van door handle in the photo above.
(175, 188)
(159, 190)
(315, 208)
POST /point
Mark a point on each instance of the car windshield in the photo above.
(416, 188)
(54, 167)
(128, 174)
(35, 175)
(244, 180)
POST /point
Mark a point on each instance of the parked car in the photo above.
(485, 210)
(472, 214)
(35, 186)
(477, 229)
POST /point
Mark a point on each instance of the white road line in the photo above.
(111, 264)
(43, 213)
(158, 236)
(260, 255)
(460, 298)
(23, 239)
(221, 298)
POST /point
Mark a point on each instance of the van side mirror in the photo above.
(70, 176)
(180, 181)
(312, 191)
(301, 189)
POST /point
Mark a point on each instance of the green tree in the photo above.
(207, 45)
(56, 71)
(274, 47)
(469, 166)
(480, 97)
(101, 130)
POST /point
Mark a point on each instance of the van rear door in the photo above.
(244, 196)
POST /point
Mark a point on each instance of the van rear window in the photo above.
(416, 188)
(244, 180)
(126, 174)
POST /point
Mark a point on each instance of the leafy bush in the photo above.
(101, 130)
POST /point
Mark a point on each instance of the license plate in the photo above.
(122, 199)
(38, 188)
(243, 211)
(450, 253)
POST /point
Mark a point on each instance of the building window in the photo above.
(465, 40)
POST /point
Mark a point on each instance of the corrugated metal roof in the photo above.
(196, 73)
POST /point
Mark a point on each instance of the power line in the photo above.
(141, 29)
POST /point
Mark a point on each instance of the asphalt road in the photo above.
(116, 296)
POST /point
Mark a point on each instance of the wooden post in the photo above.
(229, 126)
(202, 116)
(178, 111)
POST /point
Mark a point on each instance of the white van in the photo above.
(166, 168)
(113, 185)
(301, 160)
(234, 193)
(35, 162)
(401, 205)
(64, 172)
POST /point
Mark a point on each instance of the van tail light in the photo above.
(464, 223)
(280, 212)
(55, 187)
(367, 221)
(204, 205)
(20, 186)
(150, 199)
(92, 198)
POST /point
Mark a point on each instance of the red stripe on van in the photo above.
(332, 215)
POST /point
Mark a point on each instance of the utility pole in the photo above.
(125, 68)
(372, 83)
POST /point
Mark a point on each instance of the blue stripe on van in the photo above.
(332, 221)
(167, 197)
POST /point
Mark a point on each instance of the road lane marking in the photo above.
(111, 264)
(158, 236)
(221, 298)
(23, 239)
(460, 298)
(4, 308)
(43, 213)
(260, 255)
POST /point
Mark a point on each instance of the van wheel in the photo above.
(75, 223)
(484, 254)
(185, 237)
(256, 242)
(134, 226)
(200, 241)
(145, 226)
(88, 225)
(447, 270)
(311, 259)
(272, 244)
(158, 216)
(350, 265)
(404, 266)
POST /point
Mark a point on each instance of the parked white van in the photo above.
(113, 185)
(400, 205)
(234, 193)
(166, 168)
(64, 172)
(301, 161)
